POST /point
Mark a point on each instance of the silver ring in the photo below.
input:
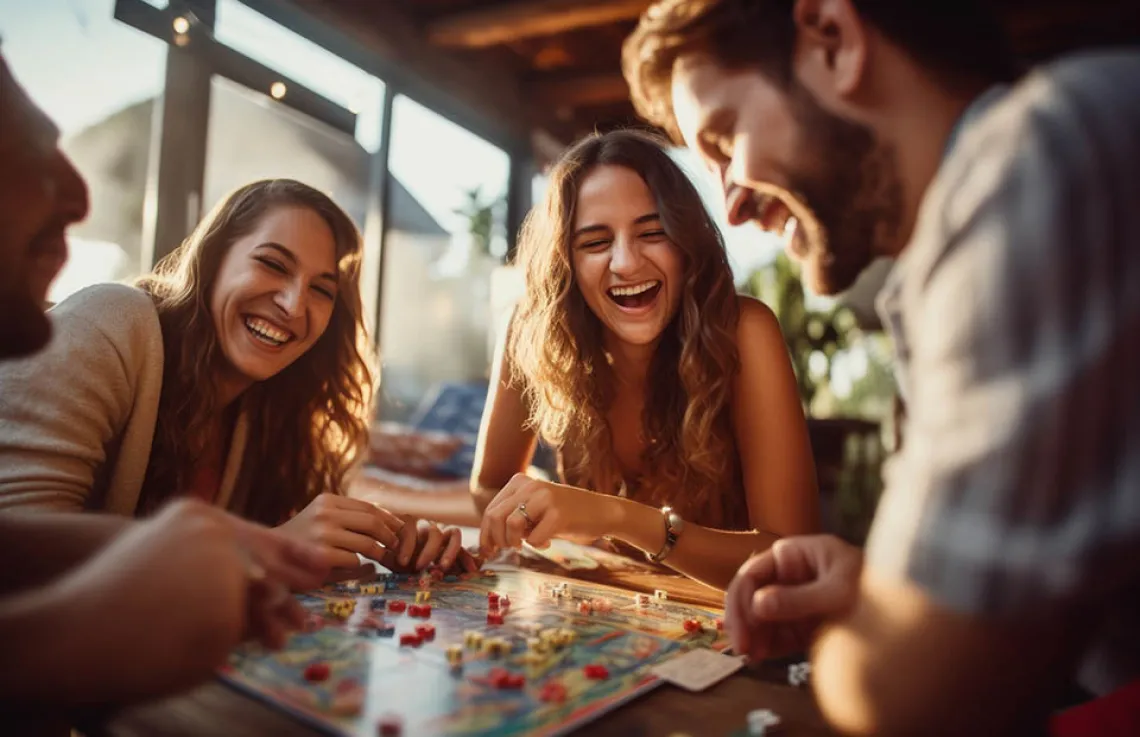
(521, 509)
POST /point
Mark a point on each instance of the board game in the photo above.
(564, 653)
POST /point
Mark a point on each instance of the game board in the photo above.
(372, 675)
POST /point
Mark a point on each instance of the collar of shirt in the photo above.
(888, 302)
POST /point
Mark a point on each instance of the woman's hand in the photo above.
(348, 527)
(551, 510)
(425, 543)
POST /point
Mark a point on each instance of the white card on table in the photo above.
(698, 669)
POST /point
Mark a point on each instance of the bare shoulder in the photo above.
(757, 328)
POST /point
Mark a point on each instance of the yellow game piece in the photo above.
(496, 647)
(473, 639)
(536, 645)
(567, 636)
(422, 596)
(342, 608)
(371, 588)
(454, 655)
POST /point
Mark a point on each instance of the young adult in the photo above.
(235, 373)
(1005, 548)
(631, 353)
(177, 591)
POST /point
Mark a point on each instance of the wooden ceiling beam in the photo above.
(584, 91)
(503, 23)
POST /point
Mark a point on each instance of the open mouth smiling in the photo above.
(635, 296)
(267, 332)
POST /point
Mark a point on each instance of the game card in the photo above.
(698, 669)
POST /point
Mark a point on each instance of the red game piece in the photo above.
(426, 631)
(719, 625)
(389, 725)
(553, 692)
(425, 610)
(514, 681)
(317, 672)
(437, 574)
(692, 625)
(410, 639)
(494, 618)
(596, 672)
(492, 598)
(397, 606)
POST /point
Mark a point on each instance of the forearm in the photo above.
(707, 555)
(48, 662)
(43, 545)
(453, 505)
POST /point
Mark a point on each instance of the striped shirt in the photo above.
(1016, 315)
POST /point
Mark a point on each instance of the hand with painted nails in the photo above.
(538, 511)
(780, 597)
(347, 528)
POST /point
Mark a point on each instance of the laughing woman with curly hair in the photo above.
(670, 399)
(236, 373)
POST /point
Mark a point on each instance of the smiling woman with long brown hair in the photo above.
(670, 399)
(235, 373)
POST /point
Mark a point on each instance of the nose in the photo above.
(625, 256)
(290, 299)
(71, 191)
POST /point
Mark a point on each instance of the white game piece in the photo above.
(799, 673)
(760, 720)
(641, 600)
(660, 595)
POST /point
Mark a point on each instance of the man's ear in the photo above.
(831, 47)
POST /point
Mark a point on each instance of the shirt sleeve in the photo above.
(63, 410)
(1019, 481)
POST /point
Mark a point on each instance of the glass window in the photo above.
(98, 79)
(252, 136)
(264, 40)
(446, 238)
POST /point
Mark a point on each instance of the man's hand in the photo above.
(176, 592)
(778, 599)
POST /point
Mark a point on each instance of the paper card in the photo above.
(698, 669)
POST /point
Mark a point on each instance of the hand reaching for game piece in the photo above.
(178, 592)
(349, 527)
(778, 598)
(424, 543)
(551, 510)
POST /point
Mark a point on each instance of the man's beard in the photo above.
(24, 328)
(853, 190)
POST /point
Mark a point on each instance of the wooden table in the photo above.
(215, 709)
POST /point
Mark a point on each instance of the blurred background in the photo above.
(431, 122)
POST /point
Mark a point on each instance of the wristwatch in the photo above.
(673, 527)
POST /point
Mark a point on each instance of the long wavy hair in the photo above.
(557, 354)
(308, 424)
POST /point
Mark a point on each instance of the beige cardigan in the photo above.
(77, 420)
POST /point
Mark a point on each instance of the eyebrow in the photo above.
(648, 217)
(293, 259)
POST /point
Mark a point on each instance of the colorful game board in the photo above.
(371, 675)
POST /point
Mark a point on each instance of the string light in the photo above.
(277, 90)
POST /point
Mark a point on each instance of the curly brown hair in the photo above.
(308, 425)
(761, 34)
(557, 354)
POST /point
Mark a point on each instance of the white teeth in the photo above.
(635, 289)
(266, 331)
